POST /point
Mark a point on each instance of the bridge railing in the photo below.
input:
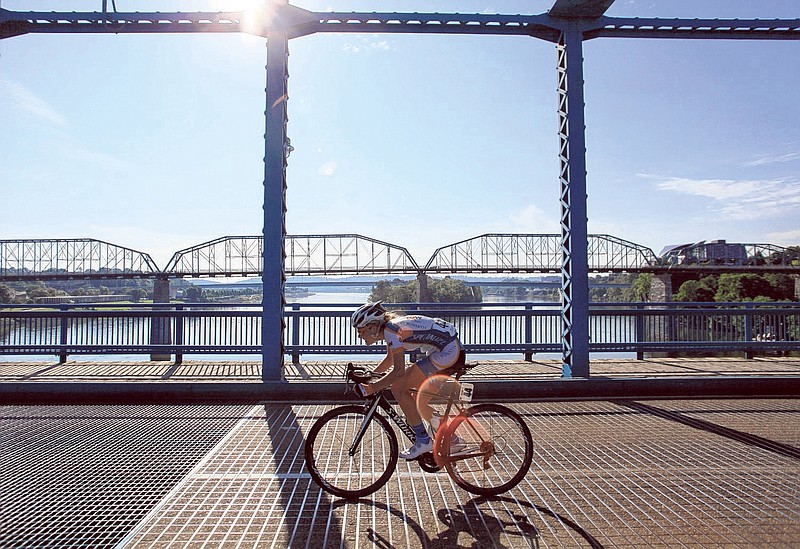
(315, 329)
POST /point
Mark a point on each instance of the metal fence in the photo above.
(313, 329)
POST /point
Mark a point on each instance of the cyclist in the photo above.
(433, 336)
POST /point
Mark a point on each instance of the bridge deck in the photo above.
(86, 382)
(331, 371)
(622, 473)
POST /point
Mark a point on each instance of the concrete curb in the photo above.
(773, 386)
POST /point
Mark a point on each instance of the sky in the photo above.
(155, 142)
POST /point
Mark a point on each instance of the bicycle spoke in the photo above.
(489, 449)
(328, 456)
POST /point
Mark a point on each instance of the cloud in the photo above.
(96, 159)
(531, 219)
(785, 238)
(741, 200)
(366, 43)
(774, 159)
(26, 101)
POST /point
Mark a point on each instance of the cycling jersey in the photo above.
(435, 337)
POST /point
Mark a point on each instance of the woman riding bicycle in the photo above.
(433, 336)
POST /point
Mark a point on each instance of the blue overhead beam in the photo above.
(298, 22)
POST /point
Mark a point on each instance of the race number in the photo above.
(466, 392)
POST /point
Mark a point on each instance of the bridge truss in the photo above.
(567, 25)
(69, 259)
(531, 253)
(305, 255)
(353, 254)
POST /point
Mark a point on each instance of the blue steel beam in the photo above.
(298, 22)
(580, 9)
(726, 29)
(574, 217)
(274, 233)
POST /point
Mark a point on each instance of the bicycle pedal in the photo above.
(427, 463)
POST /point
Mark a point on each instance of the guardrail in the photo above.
(312, 329)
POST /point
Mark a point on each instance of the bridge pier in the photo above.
(160, 326)
(424, 291)
(661, 329)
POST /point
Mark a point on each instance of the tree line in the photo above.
(442, 290)
(727, 287)
(737, 287)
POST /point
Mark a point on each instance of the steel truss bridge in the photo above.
(352, 254)
(567, 25)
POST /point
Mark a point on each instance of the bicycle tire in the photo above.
(328, 460)
(493, 451)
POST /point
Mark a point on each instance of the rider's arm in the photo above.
(385, 363)
(394, 357)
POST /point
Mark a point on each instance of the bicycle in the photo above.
(351, 451)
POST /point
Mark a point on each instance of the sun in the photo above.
(256, 14)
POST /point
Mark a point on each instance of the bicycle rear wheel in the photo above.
(327, 452)
(487, 449)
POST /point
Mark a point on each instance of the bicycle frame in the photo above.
(380, 401)
(376, 401)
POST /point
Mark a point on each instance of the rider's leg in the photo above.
(411, 379)
(428, 368)
(401, 388)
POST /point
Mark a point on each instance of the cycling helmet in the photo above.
(368, 312)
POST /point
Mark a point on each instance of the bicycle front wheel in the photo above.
(349, 456)
(487, 449)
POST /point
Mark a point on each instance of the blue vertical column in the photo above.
(574, 231)
(273, 277)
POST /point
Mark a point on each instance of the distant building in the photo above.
(713, 252)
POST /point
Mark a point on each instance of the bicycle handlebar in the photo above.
(358, 375)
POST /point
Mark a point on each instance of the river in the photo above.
(348, 298)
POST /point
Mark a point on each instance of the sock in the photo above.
(436, 420)
(421, 433)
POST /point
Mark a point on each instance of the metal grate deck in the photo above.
(605, 475)
(325, 371)
(720, 473)
(83, 476)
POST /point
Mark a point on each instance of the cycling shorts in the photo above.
(439, 360)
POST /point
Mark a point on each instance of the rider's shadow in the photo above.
(481, 522)
(475, 526)
(510, 522)
(480, 527)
